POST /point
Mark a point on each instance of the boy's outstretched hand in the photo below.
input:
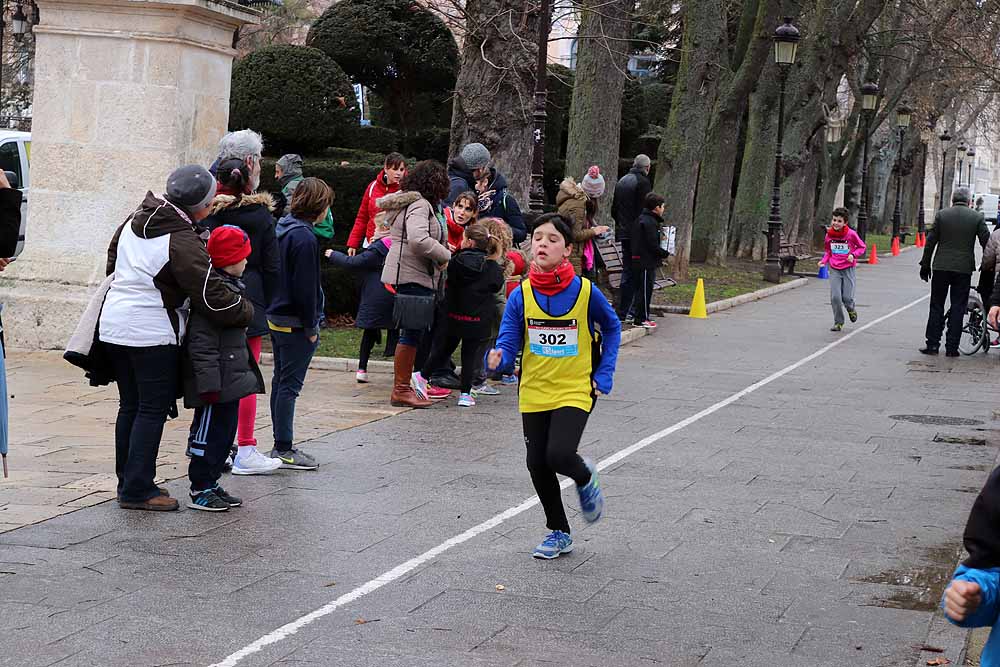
(961, 599)
(493, 359)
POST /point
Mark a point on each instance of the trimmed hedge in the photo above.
(372, 139)
(295, 96)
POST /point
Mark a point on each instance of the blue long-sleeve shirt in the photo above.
(986, 614)
(510, 341)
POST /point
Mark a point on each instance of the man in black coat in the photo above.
(953, 237)
(628, 202)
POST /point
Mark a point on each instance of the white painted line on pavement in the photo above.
(401, 570)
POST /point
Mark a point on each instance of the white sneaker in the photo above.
(361, 376)
(254, 463)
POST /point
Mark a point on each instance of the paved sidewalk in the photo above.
(62, 433)
(812, 522)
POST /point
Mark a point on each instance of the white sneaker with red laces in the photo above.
(648, 324)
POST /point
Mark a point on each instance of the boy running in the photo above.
(843, 248)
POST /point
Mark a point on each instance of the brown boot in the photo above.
(159, 503)
(403, 395)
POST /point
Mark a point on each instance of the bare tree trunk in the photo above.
(595, 114)
(714, 206)
(753, 195)
(494, 94)
(695, 92)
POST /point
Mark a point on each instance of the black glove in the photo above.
(925, 273)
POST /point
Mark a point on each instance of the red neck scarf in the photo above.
(834, 234)
(552, 282)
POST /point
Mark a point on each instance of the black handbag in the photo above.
(412, 311)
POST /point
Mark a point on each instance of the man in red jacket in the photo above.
(386, 183)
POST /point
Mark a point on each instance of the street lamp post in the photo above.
(945, 139)
(786, 43)
(902, 122)
(869, 100)
(536, 201)
(961, 162)
(971, 154)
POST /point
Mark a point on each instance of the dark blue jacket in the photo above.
(298, 299)
(375, 309)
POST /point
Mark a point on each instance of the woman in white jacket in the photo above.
(161, 270)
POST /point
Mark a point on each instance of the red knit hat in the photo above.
(228, 245)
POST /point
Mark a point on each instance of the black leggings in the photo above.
(369, 339)
(372, 337)
(442, 350)
(552, 438)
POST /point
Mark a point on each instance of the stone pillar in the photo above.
(125, 91)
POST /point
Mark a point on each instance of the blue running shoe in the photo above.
(591, 498)
(509, 379)
(553, 546)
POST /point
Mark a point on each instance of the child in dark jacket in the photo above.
(220, 371)
(647, 256)
(375, 309)
(474, 278)
(294, 315)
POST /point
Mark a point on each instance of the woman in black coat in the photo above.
(237, 205)
(375, 310)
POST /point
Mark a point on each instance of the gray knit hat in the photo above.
(291, 164)
(593, 183)
(191, 187)
(475, 156)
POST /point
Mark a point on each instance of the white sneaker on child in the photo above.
(361, 376)
(254, 463)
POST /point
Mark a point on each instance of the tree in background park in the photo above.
(396, 48)
(295, 96)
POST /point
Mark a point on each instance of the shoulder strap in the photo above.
(402, 244)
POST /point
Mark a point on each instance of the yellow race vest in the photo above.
(556, 360)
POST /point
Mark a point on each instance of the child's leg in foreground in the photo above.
(552, 438)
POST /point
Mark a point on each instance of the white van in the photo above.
(15, 157)
(990, 205)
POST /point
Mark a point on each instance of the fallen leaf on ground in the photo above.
(938, 661)
(362, 621)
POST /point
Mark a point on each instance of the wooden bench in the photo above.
(611, 256)
(790, 253)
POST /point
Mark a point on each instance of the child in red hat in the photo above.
(219, 371)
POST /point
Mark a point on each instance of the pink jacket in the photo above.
(837, 251)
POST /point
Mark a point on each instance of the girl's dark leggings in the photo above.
(369, 339)
(552, 439)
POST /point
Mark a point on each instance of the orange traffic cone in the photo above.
(895, 246)
(873, 257)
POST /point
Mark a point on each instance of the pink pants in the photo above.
(248, 404)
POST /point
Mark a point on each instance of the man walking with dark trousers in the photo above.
(954, 236)
(629, 199)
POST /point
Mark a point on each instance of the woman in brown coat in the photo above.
(414, 265)
(573, 202)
